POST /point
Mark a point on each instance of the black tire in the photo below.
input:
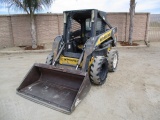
(49, 59)
(112, 63)
(99, 70)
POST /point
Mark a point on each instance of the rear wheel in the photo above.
(99, 70)
(49, 59)
(112, 60)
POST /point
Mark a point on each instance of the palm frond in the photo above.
(29, 6)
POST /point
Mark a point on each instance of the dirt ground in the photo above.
(131, 93)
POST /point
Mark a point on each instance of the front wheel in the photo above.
(99, 70)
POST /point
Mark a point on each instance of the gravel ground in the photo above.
(131, 93)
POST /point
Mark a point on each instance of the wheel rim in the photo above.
(115, 59)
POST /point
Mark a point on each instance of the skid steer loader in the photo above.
(81, 56)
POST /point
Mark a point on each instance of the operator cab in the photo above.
(79, 26)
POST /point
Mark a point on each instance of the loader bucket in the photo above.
(60, 89)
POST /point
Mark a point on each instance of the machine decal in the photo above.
(68, 60)
(104, 37)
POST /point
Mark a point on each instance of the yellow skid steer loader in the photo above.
(81, 56)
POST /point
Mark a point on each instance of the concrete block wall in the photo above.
(118, 20)
(47, 28)
(60, 18)
(15, 29)
(140, 26)
(6, 38)
(122, 21)
(21, 30)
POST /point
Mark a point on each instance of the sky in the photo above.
(58, 6)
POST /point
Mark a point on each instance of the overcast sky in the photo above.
(152, 6)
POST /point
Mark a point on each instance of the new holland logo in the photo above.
(104, 37)
(71, 60)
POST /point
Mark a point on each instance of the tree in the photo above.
(132, 12)
(30, 7)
